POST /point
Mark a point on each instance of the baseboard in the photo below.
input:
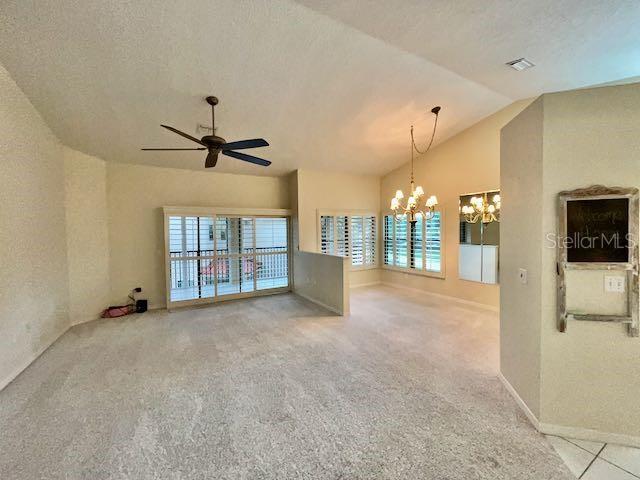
(17, 371)
(87, 320)
(569, 432)
(521, 403)
(591, 435)
(370, 284)
(319, 303)
(445, 297)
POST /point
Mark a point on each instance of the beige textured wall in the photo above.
(323, 279)
(466, 163)
(589, 375)
(334, 191)
(520, 305)
(87, 235)
(136, 195)
(34, 299)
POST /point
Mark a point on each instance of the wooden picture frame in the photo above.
(600, 258)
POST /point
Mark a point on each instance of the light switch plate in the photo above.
(522, 274)
(614, 284)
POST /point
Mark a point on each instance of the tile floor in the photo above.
(598, 461)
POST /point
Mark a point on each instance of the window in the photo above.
(357, 240)
(217, 255)
(416, 247)
(327, 238)
(350, 235)
(342, 236)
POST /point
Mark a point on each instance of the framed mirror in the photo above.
(479, 217)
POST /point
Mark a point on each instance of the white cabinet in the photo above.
(478, 263)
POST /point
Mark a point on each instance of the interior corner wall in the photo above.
(34, 298)
(293, 206)
(319, 190)
(589, 374)
(87, 235)
(520, 305)
(135, 197)
(469, 162)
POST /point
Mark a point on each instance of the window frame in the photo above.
(215, 212)
(414, 271)
(349, 214)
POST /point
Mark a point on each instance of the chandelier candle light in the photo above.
(412, 208)
(481, 209)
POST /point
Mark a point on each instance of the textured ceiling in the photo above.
(331, 85)
(574, 43)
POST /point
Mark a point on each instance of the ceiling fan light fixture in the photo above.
(520, 64)
(216, 145)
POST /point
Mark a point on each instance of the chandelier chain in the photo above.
(412, 208)
(433, 134)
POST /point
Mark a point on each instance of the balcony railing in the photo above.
(190, 270)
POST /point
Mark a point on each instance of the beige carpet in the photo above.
(274, 388)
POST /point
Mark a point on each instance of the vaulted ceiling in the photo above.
(332, 85)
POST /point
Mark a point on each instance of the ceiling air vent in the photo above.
(520, 64)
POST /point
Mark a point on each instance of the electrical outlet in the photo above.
(614, 284)
(522, 274)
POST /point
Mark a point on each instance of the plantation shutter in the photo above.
(388, 240)
(357, 240)
(370, 240)
(342, 235)
(433, 245)
(327, 234)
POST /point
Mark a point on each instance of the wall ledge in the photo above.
(569, 432)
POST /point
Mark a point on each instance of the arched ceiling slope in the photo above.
(331, 85)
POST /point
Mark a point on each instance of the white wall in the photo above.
(136, 195)
(589, 381)
(520, 305)
(34, 300)
(340, 192)
(87, 235)
(466, 163)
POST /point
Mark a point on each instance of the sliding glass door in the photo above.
(218, 256)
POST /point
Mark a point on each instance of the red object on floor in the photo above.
(119, 311)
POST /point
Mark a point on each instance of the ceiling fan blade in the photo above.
(247, 158)
(212, 159)
(241, 144)
(171, 149)
(185, 135)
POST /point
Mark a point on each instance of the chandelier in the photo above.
(412, 209)
(480, 208)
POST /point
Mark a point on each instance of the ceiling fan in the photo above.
(215, 144)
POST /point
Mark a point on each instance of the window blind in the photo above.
(225, 255)
(388, 240)
(342, 236)
(327, 237)
(350, 235)
(370, 240)
(415, 247)
(357, 240)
